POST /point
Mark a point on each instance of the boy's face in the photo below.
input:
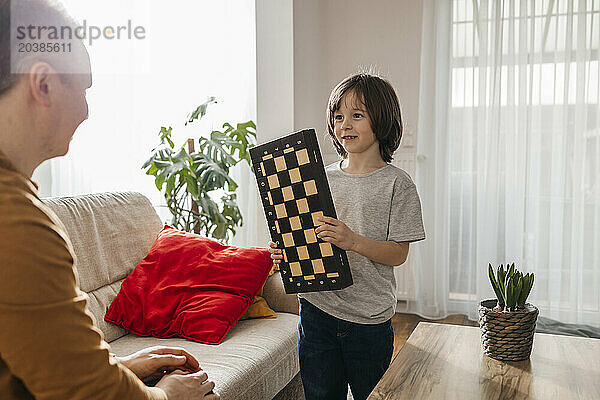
(352, 126)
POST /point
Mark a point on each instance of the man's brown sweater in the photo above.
(49, 345)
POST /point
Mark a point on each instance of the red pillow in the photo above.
(189, 286)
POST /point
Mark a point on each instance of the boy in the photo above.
(346, 336)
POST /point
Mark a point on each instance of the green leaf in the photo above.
(245, 135)
(159, 181)
(208, 206)
(531, 282)
(519, 290)
(510, 294)
(152, 170)
(200, 111)
(501, 278)
(165, 136)
(171, 183)
(511, 270)
(507, 279)
(192, 186)
(232, 185)
(211, 174)
(147, 164)
(495, 286)
(219, 148)
(526, 289)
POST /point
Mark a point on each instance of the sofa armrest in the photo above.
(275, 295)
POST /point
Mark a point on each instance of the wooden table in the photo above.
(447, 362)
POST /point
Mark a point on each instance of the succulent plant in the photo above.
(511, 287)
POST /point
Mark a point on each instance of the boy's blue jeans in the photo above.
(335, 353)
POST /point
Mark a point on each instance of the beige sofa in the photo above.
(111, 233)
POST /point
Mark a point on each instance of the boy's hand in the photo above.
(276, 254)
(337, 233)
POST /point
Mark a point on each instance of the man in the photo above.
(49, 346)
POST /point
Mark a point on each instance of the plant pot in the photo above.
(507, 336)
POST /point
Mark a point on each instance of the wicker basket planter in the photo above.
(507, 336)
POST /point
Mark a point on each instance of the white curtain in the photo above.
(509, 150)
(192, 50)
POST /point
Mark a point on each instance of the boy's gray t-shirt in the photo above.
(381, 205)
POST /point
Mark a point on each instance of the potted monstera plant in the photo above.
(508, 322)
(196, 180)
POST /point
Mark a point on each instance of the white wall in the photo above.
(335, 38)
(274, 81)
(274, 68)
(305, 47)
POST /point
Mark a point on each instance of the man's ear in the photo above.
(42, 78)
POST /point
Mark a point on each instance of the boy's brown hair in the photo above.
(383, 107)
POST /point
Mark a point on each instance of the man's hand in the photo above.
(154, 362)
(181, 386)
(276, 254)
(336, 232)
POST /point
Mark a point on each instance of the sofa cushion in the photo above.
(111, 233)
(275, 295)
(259, 308)
(189, 286)
(255, 360)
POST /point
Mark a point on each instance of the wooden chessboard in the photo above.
(295, 192)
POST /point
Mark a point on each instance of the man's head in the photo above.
(42, 93)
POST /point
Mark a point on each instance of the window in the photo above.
(525, 139)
